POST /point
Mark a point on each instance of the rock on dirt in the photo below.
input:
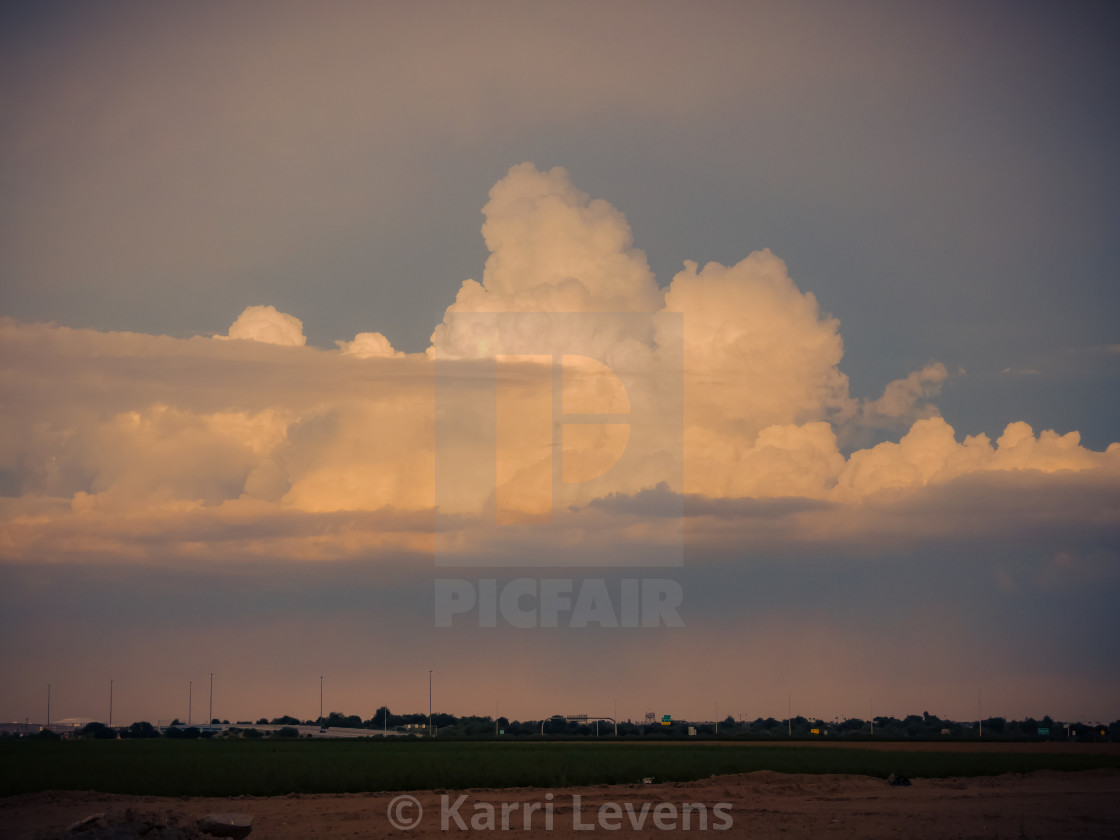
(226, 825)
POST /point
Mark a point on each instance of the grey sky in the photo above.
(942, 177)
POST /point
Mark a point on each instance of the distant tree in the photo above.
(97, 731)
(287, 732)
(286, 720)
(183, 732)
(341, 720)
(141, 729)
(914, 725)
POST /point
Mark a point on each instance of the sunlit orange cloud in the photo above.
(254, 444)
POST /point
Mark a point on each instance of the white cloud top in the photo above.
(268, 326)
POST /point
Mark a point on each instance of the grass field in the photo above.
(229, 768)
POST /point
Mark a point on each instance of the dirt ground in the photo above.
(757, 805)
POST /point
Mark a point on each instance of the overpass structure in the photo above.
(596, 718)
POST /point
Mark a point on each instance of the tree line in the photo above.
(912, 727)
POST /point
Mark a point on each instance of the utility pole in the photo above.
(980, 711)
(110, 704)
(210, 719)
(48, 705)
(320, 700)
(789, 713)
(190, 691)
(429, 702)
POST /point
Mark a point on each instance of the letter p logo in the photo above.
(547, 427)
(566, 416)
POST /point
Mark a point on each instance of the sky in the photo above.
(802, 315)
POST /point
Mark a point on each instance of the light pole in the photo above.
(190, 688)
(110, 704)
(320, 700)
(48, 705)
(429, 702)
(210, 719)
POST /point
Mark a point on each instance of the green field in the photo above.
(228, 768)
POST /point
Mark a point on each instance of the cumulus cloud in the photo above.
(753, 337)
(369, 345)
(552, 249)
(929, 454)
(269, 326)
(117, 442)
(904, 399)
(761, 378)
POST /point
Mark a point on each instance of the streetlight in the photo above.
(189, 692)
(110, 704)
(48, 705)
(429, 702)
(210, 719)
(320, 700)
